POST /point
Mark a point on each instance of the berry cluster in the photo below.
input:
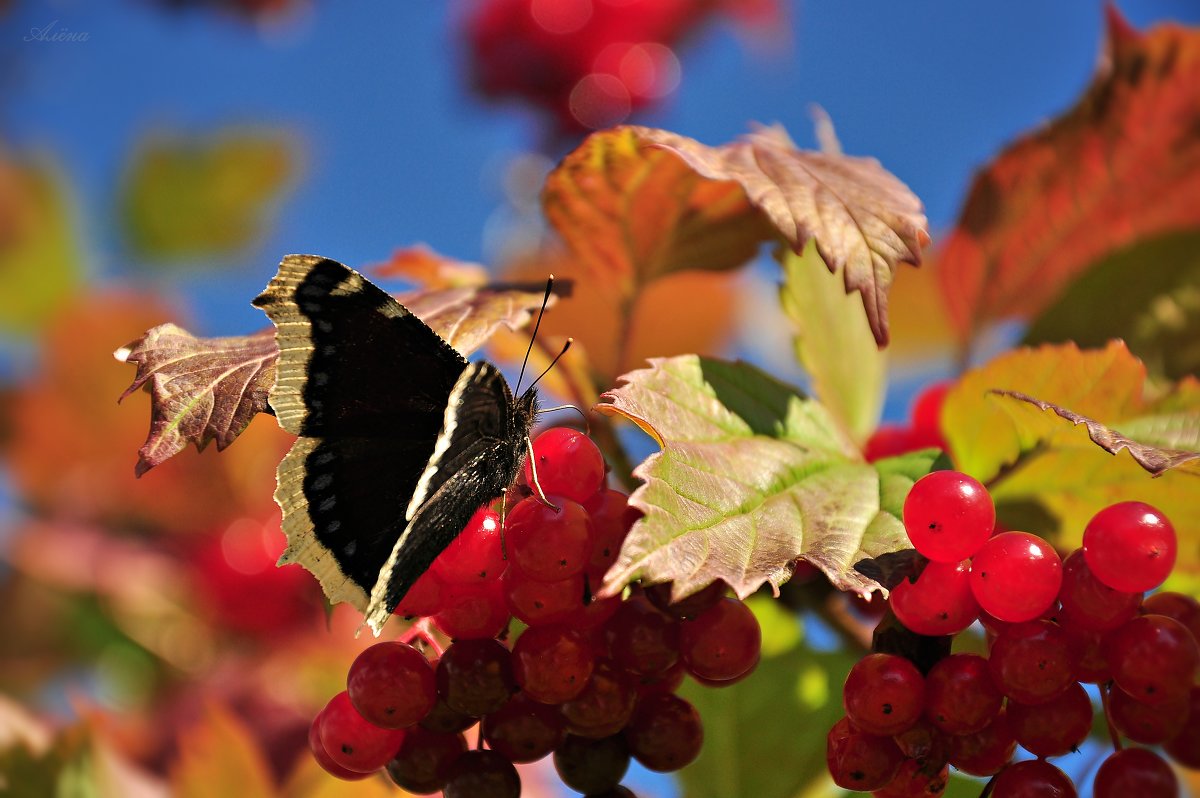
(588, 62)
(590, 680)
(1052, 625)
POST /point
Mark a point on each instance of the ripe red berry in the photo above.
(542, 603)
(1184, 747)
(391, 685)
(927, 407)
(1130, 546)
(1033, 778)
(1135, 772)
(914, 780)
(475, 676)
(1055, 727)
(891, 440)
(948, 516)
(605, 704)
(940, 602)
(424, 598)
(1179, 606)
(665, 733)
(322, 756)
(883, 694)
(1015, 576)
(547, 543)
(568, 463)
(960, 695)
(860, 761)
(473, 611)
(722, 643)
(425, 760)
(1031, 663)
(476, 555)
(987, 751)
(1151, 724)
(353, 743)
(482, 773)
(592, 766)
(643, 640)
(611, 518)
(1153, 658)
(524, 730)
(552, 664)
(1088, 603)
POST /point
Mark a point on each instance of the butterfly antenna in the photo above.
(587, 427)
(561, 352)
(532, 338)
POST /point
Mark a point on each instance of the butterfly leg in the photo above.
(537, 486)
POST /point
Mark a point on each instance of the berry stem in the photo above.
(835, 611)
(1106, 702)
(421, 632)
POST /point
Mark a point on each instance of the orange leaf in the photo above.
(1123, 164)
(636, 203)
(219, 756)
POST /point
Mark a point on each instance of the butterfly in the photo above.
(400, 438)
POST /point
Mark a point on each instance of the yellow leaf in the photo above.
(219, 756)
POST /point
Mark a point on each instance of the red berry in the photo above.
(643, 640)
(940, 602)
(722, 643)
(475, 676)
(604, 706)
(473, 611)
(1184, 747)
(1031, 663)
(1150, 724)
(425, 760)
(322, 756)
(665, 733)
(611, 518)
(1054, 727)
(1135, 772)
(689, 607)
(1153, 658)
(889, 441)
(546, 543)
(542, 603)
(948, 515)
(524, 730)
(927, 407)
(1179, 606)
(1087, 658)
(552, 664)
(1087, 603)
(914, 781)
(476, 555)
(353, 743)
(592, 766)
(960, 696)
(482, 773)
(424, 597)
(1033, 778)
(444, 720)
(986, 752)
(1130, 546)
(391, 685)
(883, 694)
(1015, 576)
(568, 464)
(860, 761)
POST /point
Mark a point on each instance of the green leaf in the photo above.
(194, 199)
(751, 476)
(764, 737)
(1049, 476)
(40, 263)
(1147, 294)
(834, 342)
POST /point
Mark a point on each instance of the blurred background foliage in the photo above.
(157, 157)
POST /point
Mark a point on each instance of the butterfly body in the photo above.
(400, 438)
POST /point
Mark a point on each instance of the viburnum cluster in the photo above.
(538, 664)
(1052, 625)
(588, 62)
